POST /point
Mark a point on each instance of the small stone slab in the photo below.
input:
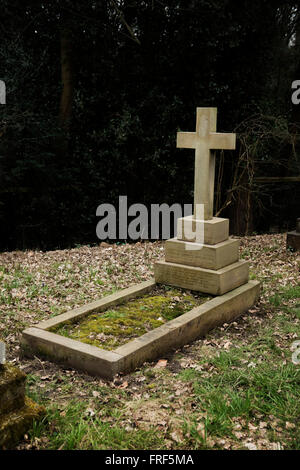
(293, 240)
(215, 230)
(205, 256)
(126, 358)
(2, 353)
(204, 280)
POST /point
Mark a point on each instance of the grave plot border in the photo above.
(182, 330)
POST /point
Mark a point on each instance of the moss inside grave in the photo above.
(116, 326)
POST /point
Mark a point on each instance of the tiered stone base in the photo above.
(17, 412)
(203, 258)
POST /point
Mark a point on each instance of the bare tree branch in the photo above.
(123, 20)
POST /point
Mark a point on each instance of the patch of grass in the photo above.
(271, 249)
(236, 391)
(289, 293)
(78, 427)
(252, 276)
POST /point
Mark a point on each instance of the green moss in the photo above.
(14, 425)
(10, 373)
(117, 326)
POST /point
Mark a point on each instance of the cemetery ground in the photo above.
(237, 388)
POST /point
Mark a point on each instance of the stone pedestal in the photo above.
(212, 267)
(293, 238)
(17, 412)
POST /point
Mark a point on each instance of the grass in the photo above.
(238, 391)
(90, 432)
(235, 389)
(267, 388)
(251, 391)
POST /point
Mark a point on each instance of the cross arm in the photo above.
(222, 141)
(186, 140)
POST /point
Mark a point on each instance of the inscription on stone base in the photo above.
(203, 280)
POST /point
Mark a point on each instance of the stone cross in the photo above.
(203, 141)
(2, 353)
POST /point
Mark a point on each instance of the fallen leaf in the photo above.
(250, 446)
(290, 425)
(161, 363)
(175, 436)
(124, 385)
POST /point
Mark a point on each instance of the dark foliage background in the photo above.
(92, 113)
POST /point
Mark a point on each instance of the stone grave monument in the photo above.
(293, 238)
(203, 257)
(17, 412)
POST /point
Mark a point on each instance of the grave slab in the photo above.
(293, 238)
(173, 334)
(2, 353)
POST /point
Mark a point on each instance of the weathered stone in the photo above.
(12, 389)
(293, 241)
(70, 352)
(126, 358)
(214, 231)
(2, 353)
(203, 141)
(203, 280)
(17, 412)
(15, 424)
(205, 256)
